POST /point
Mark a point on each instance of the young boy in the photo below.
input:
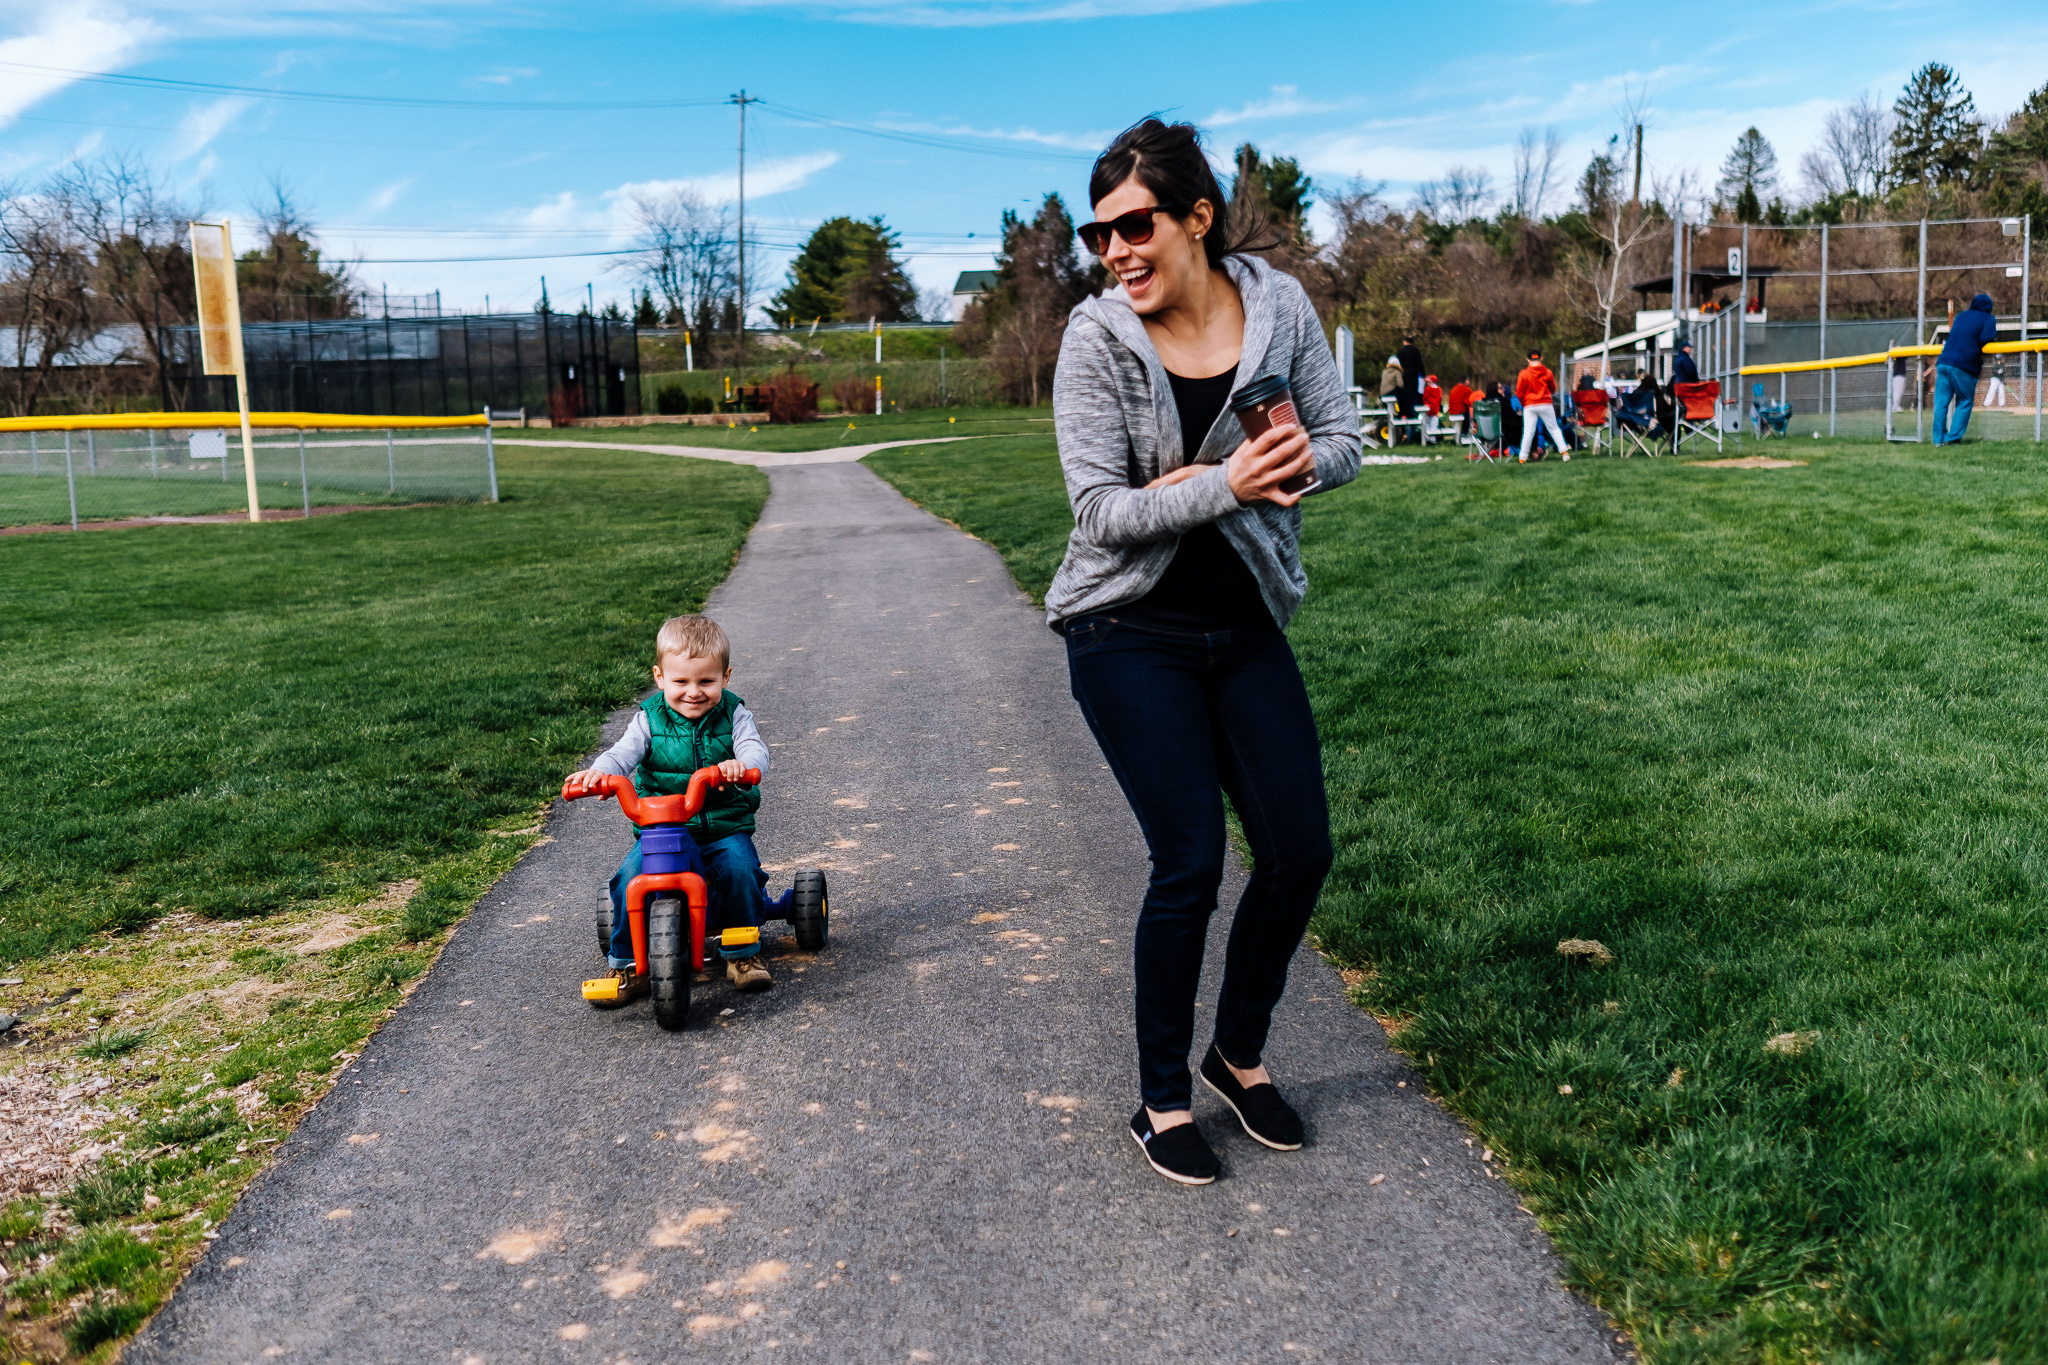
(692, 722)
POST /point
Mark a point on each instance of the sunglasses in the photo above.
(1134, 227)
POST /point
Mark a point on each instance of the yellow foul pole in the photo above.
(220, 329)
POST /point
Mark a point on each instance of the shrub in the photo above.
(110, 1192)
(671, 402)
(703, 402)
(792, 397)
(103, 1320)
(853, 395)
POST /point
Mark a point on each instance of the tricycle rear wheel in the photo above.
(668, 960)
(809, 911)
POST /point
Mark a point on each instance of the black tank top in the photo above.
(1208, 586)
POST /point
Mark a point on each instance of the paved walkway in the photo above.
(913, 1148)
(760, 459)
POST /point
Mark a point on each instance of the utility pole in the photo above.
(1636, 196)
(742, 101)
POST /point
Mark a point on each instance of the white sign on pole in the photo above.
(1735, 260)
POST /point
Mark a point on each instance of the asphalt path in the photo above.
(914, 1147)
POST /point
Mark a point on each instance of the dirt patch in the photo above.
(242, 1000)
(269, 514)
(1748, 462)
(46, 1126)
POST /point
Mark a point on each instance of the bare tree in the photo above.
(935, 304)
(136, 231)
(686, 253)
(46, 294)
(1465, 193)
(1536, 170)
(1854, 156)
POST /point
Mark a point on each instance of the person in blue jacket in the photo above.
(1957, 367)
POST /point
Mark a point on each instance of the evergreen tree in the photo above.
(1039, 279)
(1275, 192)
(644, 314)
(1937, 138)
(847, 271)
(1749, 172)
(2020, 148)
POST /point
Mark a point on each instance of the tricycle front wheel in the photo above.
(809, 911)
(668, 960)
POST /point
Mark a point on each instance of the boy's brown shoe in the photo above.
(617, 987)
(748, 973)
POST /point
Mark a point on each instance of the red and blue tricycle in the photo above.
(667, 906)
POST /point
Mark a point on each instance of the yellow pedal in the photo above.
(604, 988)
(738, 938)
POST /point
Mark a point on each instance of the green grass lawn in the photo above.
(229, 718)
(919, 423)
(256, 772)
(1775, 738)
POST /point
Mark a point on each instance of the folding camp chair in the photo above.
(1699, 413)
(1484, 433)
(1592, 406)
(1768, 418)
(1635, 422)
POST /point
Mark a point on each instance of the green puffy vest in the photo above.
(677, 747)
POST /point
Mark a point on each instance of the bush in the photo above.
(853, 395)
(792, 397)
(103, 1320)
(672, 402)
(704, 403)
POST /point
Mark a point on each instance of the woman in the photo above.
(1183, 567)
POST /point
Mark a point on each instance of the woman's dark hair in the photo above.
(1167, 159)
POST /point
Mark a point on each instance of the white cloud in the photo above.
(763, 179)
(87, 37)
(1286, 102)
(505, 75)
(388, 195)
(201, 125)
(1085, 142)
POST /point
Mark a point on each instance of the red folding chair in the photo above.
(1699, 413)
(1592, 405)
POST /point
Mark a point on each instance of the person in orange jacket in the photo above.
(1536, 386)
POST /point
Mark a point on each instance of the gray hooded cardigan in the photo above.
(1114, 413)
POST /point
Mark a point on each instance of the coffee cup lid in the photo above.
(1259, 391)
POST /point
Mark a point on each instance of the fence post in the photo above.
(391, 456)
(1919, 332)
(152, 452)
(2026, 280)
(92, 451)
(70, 481)
(1832, 388)
(35, 458)
(305, 493)
(491, 454)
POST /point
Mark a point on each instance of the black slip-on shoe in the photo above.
(1180, 1153)
(1268, 1118)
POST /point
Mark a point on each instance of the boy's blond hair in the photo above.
(692, 637)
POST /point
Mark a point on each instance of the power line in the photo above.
(952, 142)
(336, 97)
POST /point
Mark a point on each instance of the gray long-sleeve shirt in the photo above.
(1114, 414)
(622, 758)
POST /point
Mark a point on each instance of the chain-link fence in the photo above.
(60, 477)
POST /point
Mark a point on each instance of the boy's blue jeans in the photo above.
(733, 883)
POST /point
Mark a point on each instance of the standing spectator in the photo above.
(1994, 394)
(1957, 367)
(1683, 371)
(1510, 414)
(1410, 357)
(1536, 386)
(1901, 371)
(1390, 395)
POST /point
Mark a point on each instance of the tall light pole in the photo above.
(742, 101)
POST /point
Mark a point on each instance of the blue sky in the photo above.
(1013, 98)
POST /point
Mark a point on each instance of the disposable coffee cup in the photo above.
(1264, 404)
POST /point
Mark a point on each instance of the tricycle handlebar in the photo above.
(660, 810)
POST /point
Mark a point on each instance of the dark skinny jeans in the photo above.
(1182, 719)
